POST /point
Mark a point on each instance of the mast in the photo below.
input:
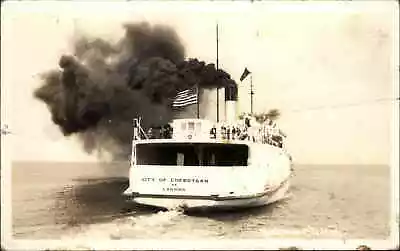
(198, 101)
(217, 70)
(251, 93)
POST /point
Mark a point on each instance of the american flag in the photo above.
(186, 97)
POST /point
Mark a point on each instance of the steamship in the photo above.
(193, 163)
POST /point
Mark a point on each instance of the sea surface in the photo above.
(70, 200)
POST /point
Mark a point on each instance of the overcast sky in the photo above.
(309, 60)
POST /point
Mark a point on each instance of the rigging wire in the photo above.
(379, 100)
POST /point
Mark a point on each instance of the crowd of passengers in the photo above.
(226, 132)
(247, 132)
(160, 132)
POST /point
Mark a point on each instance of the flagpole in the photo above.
(198, 102)
(245, 73)
(251, 93)
(217, 87)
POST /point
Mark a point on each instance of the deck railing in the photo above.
(261, 135)
(264, 134)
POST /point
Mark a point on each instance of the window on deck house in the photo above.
(192, 154)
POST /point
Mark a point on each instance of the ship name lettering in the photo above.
(147, 179)
(174, 189)
(187, 180)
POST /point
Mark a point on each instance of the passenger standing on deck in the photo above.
(162, 132)
(170, 131)
(223, 132)
(150, 133)
(213, 132)
(247, 122)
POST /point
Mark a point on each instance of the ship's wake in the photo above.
(131, 227)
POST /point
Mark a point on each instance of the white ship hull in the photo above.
(194, 171)
(228, 203)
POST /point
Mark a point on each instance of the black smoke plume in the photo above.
(101, 87)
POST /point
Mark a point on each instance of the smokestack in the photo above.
(230, 102)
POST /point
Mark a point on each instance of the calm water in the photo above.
(65, 200)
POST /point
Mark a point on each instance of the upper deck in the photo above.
(200, 130)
